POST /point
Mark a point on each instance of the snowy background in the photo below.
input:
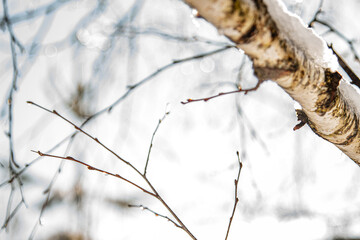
(81, 56)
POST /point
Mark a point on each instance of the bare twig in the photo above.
(236, 197)
(85, 133)
(69, 158)
(155, 213)
(153, 192)
(152, 139)
(189, 100)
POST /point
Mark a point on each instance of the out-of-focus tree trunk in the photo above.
(284, 50)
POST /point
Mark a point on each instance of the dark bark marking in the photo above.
(245, 38)
(327, 99)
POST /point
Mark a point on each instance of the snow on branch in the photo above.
(283, 49)
(304, 38)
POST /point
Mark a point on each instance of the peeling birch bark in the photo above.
(255, 27)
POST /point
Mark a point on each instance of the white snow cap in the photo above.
(351, 95)
(306, 39)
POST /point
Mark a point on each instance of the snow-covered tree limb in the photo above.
(284, 50)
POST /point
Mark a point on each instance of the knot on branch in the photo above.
(302, 117)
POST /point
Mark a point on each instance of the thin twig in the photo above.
(190, 100)
(236, 197)
(154, 191)
(152, 139)
(69, 158)
(155, 213)
(85, 133)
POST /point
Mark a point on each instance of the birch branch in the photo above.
(285, 51)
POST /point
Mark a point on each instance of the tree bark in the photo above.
(327, 101)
